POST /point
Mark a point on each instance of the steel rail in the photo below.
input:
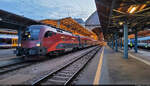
(14, 67)
(54, 73)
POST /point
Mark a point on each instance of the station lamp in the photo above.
(29, 36)
(132, 8)
(130, 30)
(92, 36)
(120, 30)
(120, 23)
(1, 19)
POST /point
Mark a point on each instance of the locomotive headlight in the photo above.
(29, 36)
(38, 44)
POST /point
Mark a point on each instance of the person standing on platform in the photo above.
(131, 45)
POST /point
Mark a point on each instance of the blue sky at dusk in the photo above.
(49, 9)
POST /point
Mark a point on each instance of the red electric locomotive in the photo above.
(42, 40)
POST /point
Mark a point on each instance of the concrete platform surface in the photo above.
(110, 67)
(6, 54)
(144, 54)
(124, 71)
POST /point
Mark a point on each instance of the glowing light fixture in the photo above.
(142, 7)
(120, 23)
(29, 36)
(132, 10)
(38, 44)
(1, 19)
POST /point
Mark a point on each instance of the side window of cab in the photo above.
(48, 34)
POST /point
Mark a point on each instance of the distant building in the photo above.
(93, 21)
(93, 24)
(80, 21)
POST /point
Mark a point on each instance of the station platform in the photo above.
(7, 54)
(109, 67)
(142, 55)
(125, 71)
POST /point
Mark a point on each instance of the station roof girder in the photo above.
(111, 12)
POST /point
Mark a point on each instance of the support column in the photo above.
(135, 42)
(19, 37)
(112, 44)
(121, 44)
(116, 45)
(125, 41)
(109, 43)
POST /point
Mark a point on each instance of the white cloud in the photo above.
(39, 9)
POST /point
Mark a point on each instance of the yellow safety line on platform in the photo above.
(98, 72)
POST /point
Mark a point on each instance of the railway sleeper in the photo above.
(74, 66)
(60, 77)
(70, 72)
(52, 82)
(63, 75)
(72, 69)
(66, 72)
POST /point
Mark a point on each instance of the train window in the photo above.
(8, 41)
(63, 38)
(31, 33)
(148, 41)
(73, 39)
(12, 41)
(34, 33)
(1, 40)
(54, 33)
(59, 31)
(48, 34)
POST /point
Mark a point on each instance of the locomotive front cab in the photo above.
(31, 42)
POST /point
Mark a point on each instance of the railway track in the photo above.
(11, 62)
(68, 72)
(15, 66)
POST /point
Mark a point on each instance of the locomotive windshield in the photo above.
(31, 33)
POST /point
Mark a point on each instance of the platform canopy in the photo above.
(113, 13)
(13, 21)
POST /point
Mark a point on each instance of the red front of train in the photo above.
(43, 40)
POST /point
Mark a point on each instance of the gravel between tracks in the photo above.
(29, 74)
